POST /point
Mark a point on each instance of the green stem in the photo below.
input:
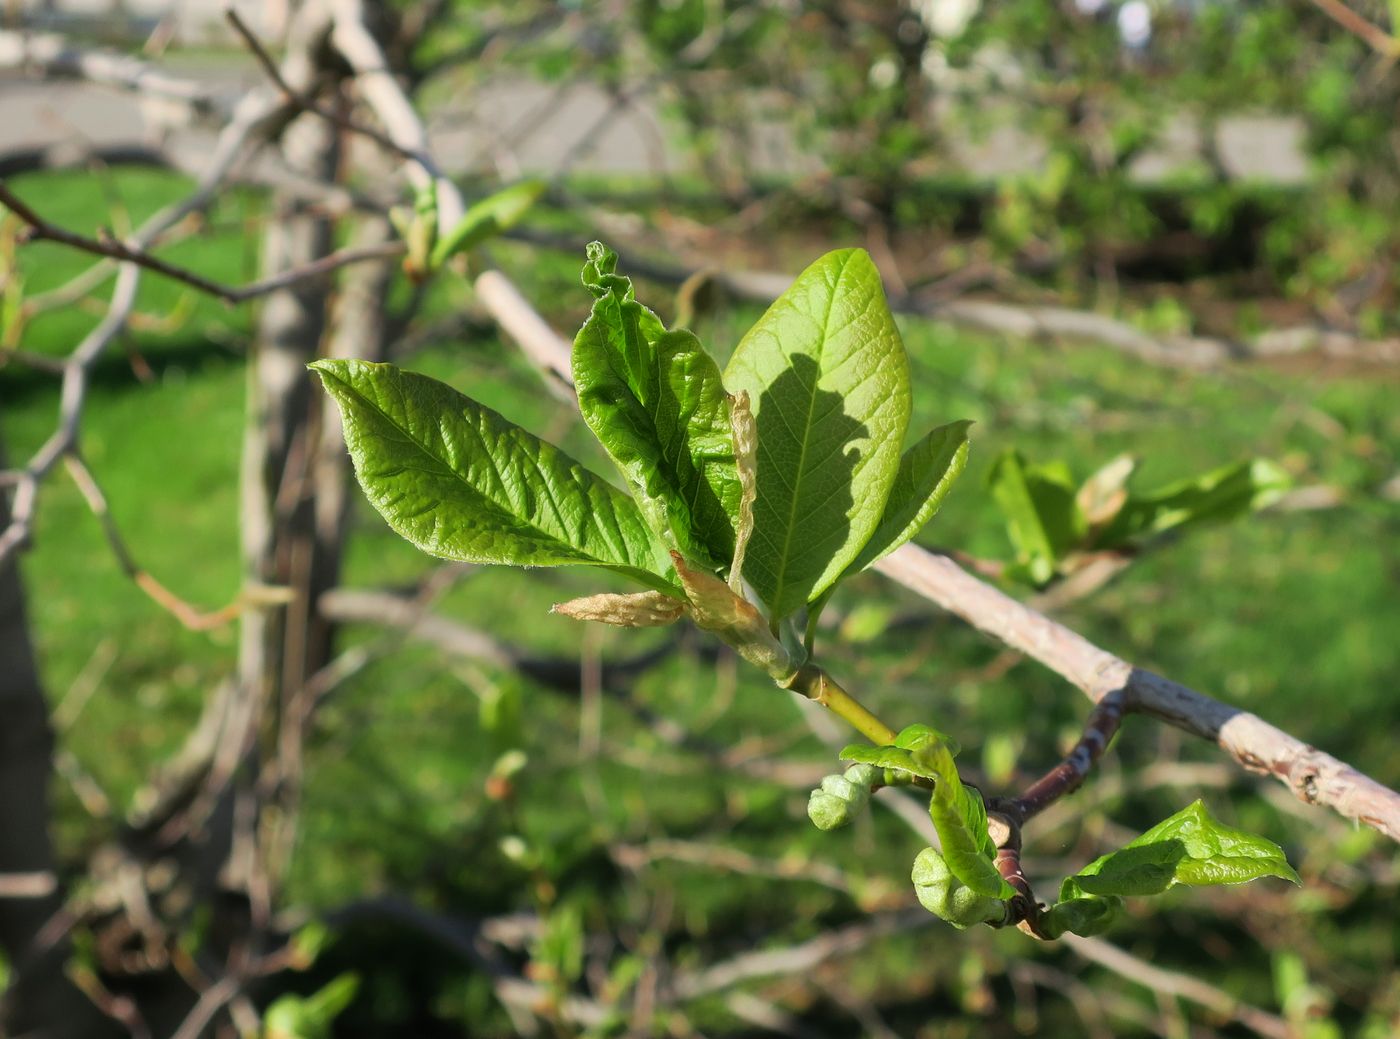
(815, 684)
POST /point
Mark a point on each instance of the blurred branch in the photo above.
(1183, 986)
(1368, 32)
(1033, 322)
(107, 246)
(304, 101)
(52, 56)
(190, 616)
(257, 116)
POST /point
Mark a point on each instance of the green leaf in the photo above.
(1042, 517)
(1082, 916)
(960, 818)
(655, 401)
(1190, 848)
(828, 380)
(909, 752)
(1219, 495)
(460, 482)
(488, 218)
(310, 1017)
(926, 474)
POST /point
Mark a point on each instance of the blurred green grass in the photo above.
(1293, 615)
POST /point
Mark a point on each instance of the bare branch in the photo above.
(51, 55)
(1180, 985)
(304, 101)
(1368, 32)
(111, 248)
(1314, 777)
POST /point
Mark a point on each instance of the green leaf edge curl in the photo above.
(506, 496)
(656, 402)
(1190, 848)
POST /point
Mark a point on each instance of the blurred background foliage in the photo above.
(638, 825)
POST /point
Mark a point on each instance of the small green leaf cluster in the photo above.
(960, 882)
(959, 815)
(784, 472)
(313, 1016)
(1055, 525)
(781, 476)
(426, 251)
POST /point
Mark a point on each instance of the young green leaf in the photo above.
(1217, 496)
(960, 818)
(926, 474)
(487, 218)
(655, 401)
(1042, 517)
(909, 752)
(828, 380)
(310, 1017)
(1085, 916)
(958, 814)
(1189, 848)
(460, 482)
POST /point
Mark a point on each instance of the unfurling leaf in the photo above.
(1217, 496)
(745, 432)
(1085, 917)
(841, 798)
(958, 814)
(1042, 517)
(460, 482)
(960, 818)
(1189, 848)
(828, 381)
(487, 218)
(911, 751)
(715, 608)
(631, 610)
(655, 401)
(945, 896)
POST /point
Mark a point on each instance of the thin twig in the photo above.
(106, 246)
(1067, 776)
(187, 614)
(1314, 777)
(302, 101)
(1180, 985)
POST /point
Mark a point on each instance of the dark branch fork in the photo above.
(105, 245)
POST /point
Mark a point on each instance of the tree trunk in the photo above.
(40, 997)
